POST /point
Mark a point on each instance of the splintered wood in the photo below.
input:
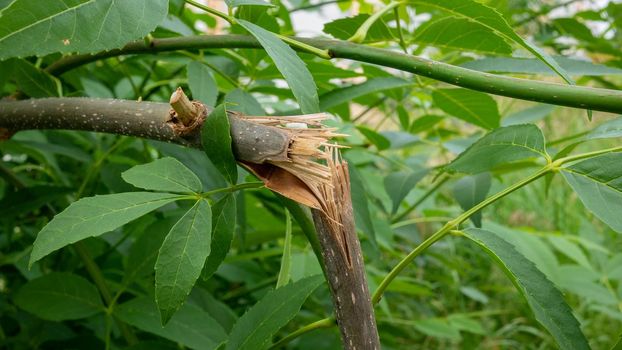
(317, 163)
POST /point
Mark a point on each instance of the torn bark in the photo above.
(343, 259)
(276, 149)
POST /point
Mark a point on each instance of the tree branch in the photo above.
(150, 120)
(605, 100)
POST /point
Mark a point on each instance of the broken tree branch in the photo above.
(284, 158)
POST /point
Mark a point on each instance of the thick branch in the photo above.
(354, 311)
(558, 94)
(150, 120)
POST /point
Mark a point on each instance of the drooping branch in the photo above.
(284, 158)
(605, 100)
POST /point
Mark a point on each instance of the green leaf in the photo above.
(502, 145)
(375, 138)
(223, 225)
(544, 299)
(164, 174)
(286, 259)
(77, 26)
(462, 34)
(344, 28)
(59, 296)
(294, 71)
(257, 326)
(598, 182)
(360, 204)
(33, 81)
(181, 258)
(493, 21)
(528, 115)
(399, 184)
(425, 123)
(236, 3)
(609, 129)
(190, 326)
(336, 97)
(437, 328)
(241, 101)
(94, 216)
(144, 252)
(570, 249)
(470, 191)
(466, 324)
(216, 139)
(202, 83)
(535, 66)
(571, 26)
(471, 106)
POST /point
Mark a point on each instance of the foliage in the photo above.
(119, 242)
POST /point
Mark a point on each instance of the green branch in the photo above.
(450, 225)
(605, 100)
(361, 32)
(212, 11)
(323, 323)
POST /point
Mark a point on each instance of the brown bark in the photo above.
(150, 120)
(348, 285)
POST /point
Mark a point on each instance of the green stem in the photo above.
(100, 282)
(361, 33)
(606, 100)
(420, 220)
(323, 323)
(214, 12)
(398, 25)
(305, 47)
(576, 157)
(234, 188)
(407, 260)
(450, 225)
(94, 168)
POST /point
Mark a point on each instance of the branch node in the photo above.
(185, 116)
